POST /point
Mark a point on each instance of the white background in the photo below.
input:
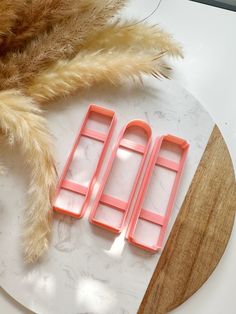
(208, 72)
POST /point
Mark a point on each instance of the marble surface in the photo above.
(87, 269)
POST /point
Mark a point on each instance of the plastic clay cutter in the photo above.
(64, 204)
(143, 214)
(111, 203)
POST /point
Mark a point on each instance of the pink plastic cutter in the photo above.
(141, 213)
(109, 201)
(89, 133)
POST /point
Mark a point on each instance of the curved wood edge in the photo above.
(200, 234)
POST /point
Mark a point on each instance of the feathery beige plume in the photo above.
(86, 69)
(10, 13)
(21, 120)
(65, 39)
(39, 16)
(135, 36)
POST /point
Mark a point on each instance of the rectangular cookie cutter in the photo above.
(141, 213)
(109, 201)
(88, 133)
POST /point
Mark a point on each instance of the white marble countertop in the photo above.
(208, 72)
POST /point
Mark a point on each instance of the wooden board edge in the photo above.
(200, 234)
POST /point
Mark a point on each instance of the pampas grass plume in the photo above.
(83, 71)
(135, 36)
(21, 120)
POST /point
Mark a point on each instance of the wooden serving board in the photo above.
(200, 234)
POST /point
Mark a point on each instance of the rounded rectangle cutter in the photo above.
(67, 189)
(153, 240)
(114, 204)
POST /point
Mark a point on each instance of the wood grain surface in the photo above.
(200, 234)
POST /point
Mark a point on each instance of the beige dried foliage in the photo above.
(21, 121)
(11, 11)
(64, 41)
(135, 36)
(86, 69)
(39, 16)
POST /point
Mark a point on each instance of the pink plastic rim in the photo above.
(149, 216)
(112, 202)
(89, 134)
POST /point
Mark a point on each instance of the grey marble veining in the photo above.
(87, 269)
